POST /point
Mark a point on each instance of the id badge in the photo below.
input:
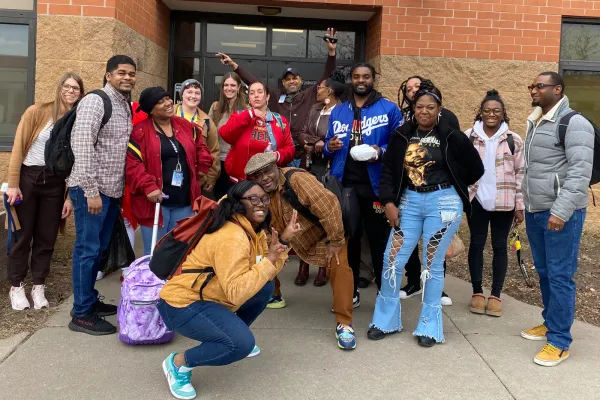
(177, 180)
(281, 99)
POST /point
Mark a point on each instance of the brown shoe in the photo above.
(321, 279)
(494, 307)
(477, 304)
(302, 276)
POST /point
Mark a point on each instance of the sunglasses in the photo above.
(255, 200)
(540, 86)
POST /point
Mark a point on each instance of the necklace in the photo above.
(422, 138)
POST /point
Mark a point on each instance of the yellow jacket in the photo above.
(238, 256)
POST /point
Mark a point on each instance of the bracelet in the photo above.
(283, 242)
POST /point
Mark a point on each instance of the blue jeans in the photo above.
(170, 217)
(435, 216)
(555, 259)
(92, 237)
(226, 336)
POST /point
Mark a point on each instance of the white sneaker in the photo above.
(446, 300)
(18, 298)
(39, 299)
(100, 275)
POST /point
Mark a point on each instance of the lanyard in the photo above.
(175, 149)
(182, 114)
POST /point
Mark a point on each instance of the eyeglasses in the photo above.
(489, 111)
(255, 200)
(66, 87)
(322, 87)
(539, 86)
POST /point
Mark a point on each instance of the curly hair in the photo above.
(405, 104)
(427, 88)
(337, 82)
(492, 95)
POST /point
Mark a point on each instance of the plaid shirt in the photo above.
(100, 153)
(310, 243)
(510, 170)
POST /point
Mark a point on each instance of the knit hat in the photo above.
(189, 82)
(260, 161)
(150, 97)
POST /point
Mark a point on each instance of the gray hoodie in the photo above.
(557, 178)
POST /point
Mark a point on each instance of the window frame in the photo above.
(577, 65)
(28, 18)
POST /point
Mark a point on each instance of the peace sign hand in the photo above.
(292, 229)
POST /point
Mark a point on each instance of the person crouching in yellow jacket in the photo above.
(219, 313)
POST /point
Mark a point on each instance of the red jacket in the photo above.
(247, 138)
(143, 170)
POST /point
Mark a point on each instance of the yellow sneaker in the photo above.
(550, 356)
(537, 333)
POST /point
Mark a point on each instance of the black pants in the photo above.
(413, 269)
(374, 223)
(500, 222)
(223, 183)
(39, 215)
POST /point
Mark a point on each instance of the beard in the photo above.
(362, 92)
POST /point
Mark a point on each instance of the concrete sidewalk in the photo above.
(483, 357)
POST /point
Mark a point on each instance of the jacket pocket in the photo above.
(508, 161)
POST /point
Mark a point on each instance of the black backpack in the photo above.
(562, 131)
(58, 154)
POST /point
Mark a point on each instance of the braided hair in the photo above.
(492, 95)
(405, 104)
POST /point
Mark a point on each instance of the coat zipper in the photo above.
(527, 155)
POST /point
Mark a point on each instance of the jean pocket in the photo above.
(403, 201)
(449, 208)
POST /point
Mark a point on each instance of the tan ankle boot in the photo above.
(477, 304)
(494, 307)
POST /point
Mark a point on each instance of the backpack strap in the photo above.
(279, 121)
(208, 270)
(292, 198)
(509, 139)
(563, 124)
(511, 143)
(107, 106)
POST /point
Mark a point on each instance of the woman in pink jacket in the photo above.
(496, 199)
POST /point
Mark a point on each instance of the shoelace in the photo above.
(551, 350)
(346, 329)
(184, 378)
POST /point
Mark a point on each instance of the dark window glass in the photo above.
(187, 36)
(582, 88)
(317, 48)
(185, 68)
(580, 42)
(289, 42)
(14, 53)
(236, 39)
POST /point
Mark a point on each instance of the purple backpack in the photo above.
(139, 320)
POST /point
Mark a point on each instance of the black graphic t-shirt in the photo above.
(424, 160)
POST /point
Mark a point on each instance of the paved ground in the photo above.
(483, 357)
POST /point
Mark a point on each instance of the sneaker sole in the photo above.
(277, 306)
(253, 354)
(77, 328)
(21, 309)
(177, 396)
(342, 347)
(408, 296)
(100, 314)
(42, 306)
(531, 337)
(479, 311)
(495, 314)
(544, 363)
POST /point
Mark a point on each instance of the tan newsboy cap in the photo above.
(260, 161)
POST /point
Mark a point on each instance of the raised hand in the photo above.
(331, 47)
(292, 228)
(276, 248)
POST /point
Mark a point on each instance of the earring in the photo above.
(439, 116)
(327, 101)
(413, 119)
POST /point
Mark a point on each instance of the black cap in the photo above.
(150, 97)
(290, 70)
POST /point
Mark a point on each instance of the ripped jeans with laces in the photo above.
(435, 216)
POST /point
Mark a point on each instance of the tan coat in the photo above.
(238, 256)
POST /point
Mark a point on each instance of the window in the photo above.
(580, 65)
(187, 37)
(317, 48)
(236, 39)
(16, 74)
(289, 42)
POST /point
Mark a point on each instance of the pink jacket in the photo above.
(509, 171)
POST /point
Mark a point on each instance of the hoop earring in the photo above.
(438, 119)
(413, 119)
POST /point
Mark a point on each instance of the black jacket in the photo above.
(463, 161)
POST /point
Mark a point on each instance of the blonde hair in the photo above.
(59, 106)
(222, 106)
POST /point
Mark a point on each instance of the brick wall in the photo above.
(527, 30)
(147, 17)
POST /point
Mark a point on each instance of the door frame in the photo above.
(177, 16)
